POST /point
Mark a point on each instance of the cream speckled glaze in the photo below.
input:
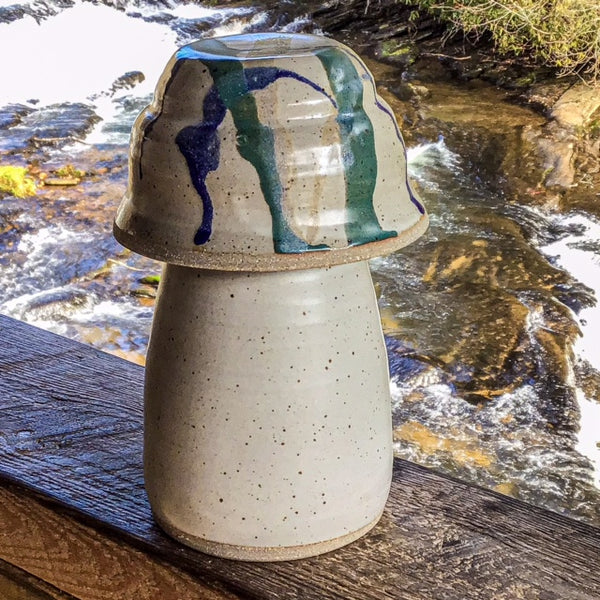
(260, 148)
(267, 422)
(265, 173)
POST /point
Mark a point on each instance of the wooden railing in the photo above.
(75, 522)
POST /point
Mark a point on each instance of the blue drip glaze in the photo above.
(200, 146)
(200, 143)
(258, 78)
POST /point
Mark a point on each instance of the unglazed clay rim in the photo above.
(265, 553)
(234, 261)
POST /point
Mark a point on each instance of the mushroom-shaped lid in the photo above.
(267, 152)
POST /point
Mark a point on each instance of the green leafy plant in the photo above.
(16, 182)
(562, 33)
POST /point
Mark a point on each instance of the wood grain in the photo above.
(91, 566)
(16, 584)
(70, 443)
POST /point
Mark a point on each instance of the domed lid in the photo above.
(267, 152)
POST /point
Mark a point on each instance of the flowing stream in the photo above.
(490, 319)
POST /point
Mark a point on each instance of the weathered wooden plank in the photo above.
(16, 584)
(87, 564)
(70, 430)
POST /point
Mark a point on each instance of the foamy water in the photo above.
(577, 254)
(77, 54)
(47, 284)
(43, 259)
(570, 253)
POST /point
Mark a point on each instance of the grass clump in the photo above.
(564, 33)
(16, 182)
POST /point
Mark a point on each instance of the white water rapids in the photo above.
(77, 54)
(585, 266)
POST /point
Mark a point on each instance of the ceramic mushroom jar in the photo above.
(265, 174)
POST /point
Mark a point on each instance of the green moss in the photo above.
(546, 174)
(69, 171)
(150, 279)
(16, 182)
(525, 81)
(406, 53)
(394, 48)
(594, 131)
(593, 126)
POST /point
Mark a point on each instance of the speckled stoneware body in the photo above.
(267, 423)
(265, 173)
(267, 152)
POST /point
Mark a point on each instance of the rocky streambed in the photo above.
(490, 318)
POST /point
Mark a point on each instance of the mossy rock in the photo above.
(399, 53)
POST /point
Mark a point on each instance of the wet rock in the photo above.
(574, 296)
(486, 312)
(528, 157)
(553, 161)
(117, 131)
(162, 18)
(144, 291)
(12, 114)
(366, 23)
(39, 10)
(194, 28)
(408, 365)
(54, 125)
(62, 181)
(113, 160)
(462, 452)
(62, 122)
(125, 4)
(56, 305)
(558, 404)
(127, 81)
(543, 96)
(134, 356)
(11, 209)
(576, 107)
(397, 52)
(588, 379)
(557, 156)
(568, 145)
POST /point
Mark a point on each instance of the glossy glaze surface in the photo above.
(267, 152)
(267, 418)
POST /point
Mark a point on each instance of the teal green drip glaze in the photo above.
(358, 148)
(256, 143)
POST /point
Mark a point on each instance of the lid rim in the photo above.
(236, 261)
